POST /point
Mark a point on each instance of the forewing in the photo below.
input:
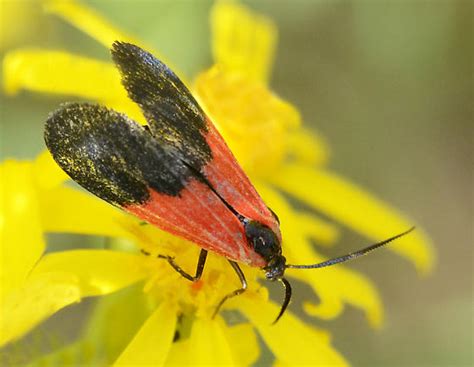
(176, 119)
(174, 116)
(121, 162)
(112, 156)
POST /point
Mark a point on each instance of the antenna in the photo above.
(350, 256)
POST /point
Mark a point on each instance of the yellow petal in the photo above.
(46, 171)
(304, 224)
(72, 211)
(151, 344)
(208, 344)
(315, 228)
(212, 343)
(308, 147)
(98, 271)
(243, 41)
(336, 286)
(21, 235)
(63, 73)
(243, 343)
(88, 21)
(127, 107)
(178, 355)
(290, 340)
(247, 112)
(131, 306)
(95, 25)
(18, 21)
(357, 209)
(42, 296)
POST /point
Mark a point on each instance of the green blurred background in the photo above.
(388, 83)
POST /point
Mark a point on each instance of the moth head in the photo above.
(266, 243)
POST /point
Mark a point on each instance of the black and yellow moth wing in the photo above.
(176, 119)
(174, 116)
(112, 156)
(119, 161)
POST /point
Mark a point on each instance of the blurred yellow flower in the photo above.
(18, 20)
(266, 135)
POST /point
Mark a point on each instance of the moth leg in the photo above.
(199, 268)
(241, 276)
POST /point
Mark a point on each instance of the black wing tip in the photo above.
(71, 115)
(117, 44)
(68, 108)
(121, 47)
(128, 56)
(123, 51)
(59, 112)
(68, 112)
(57, 118)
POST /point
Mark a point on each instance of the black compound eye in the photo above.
(259, 242)
(263, 240)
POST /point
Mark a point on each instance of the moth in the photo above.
(176, 173)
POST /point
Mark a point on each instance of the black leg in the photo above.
(199, 269)
(241, 276)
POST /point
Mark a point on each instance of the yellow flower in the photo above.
(18, 20)
(280, 156)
